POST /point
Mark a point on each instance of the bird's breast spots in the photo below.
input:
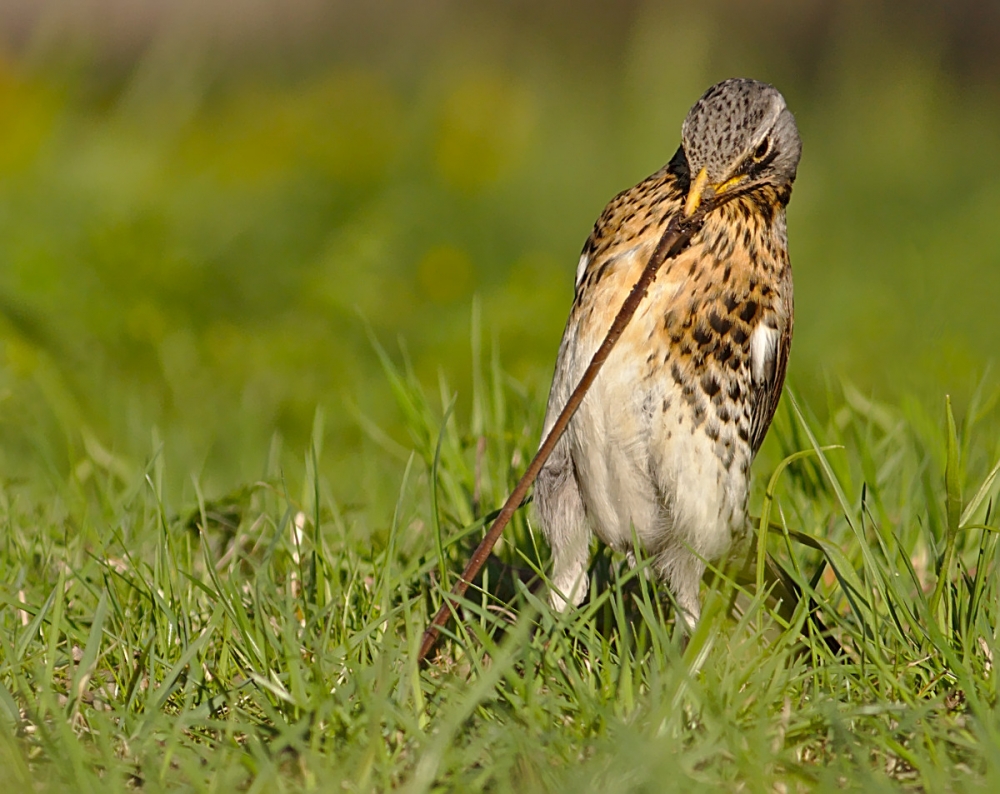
(702, 336)
(710, 385)
(720, 325)
(766, 209)
(749, 311)
(649, 407)
(728, 453)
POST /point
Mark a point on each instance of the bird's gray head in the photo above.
(741, 134)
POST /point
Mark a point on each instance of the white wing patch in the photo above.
(763, 351)
(581, 268)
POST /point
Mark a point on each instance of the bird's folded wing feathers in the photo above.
(769, 349)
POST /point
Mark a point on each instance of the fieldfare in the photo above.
(663, 441)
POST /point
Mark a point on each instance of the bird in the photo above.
(662, 443)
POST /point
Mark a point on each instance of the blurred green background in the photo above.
(205, 206)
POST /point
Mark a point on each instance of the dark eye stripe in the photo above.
(754, 166)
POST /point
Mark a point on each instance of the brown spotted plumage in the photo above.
(664, 439)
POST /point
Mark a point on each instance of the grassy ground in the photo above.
(266, 641)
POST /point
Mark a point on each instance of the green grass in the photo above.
(266, 641)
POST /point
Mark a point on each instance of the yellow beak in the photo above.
(695, 193)
(699, 187)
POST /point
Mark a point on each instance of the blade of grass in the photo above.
(765, 510)
(435, 514)
(88, 661)
(953, 512)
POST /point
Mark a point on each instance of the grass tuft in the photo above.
(266, 641)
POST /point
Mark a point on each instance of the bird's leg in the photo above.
(564, 520)
(682, 570)
(569, 572)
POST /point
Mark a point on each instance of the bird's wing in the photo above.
(770, 344)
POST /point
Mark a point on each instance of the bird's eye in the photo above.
(761, 151)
